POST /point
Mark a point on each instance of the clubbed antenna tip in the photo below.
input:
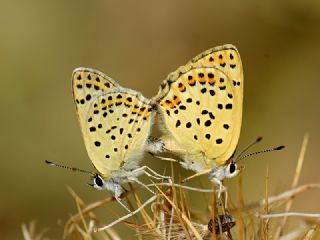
(48, 162)
(280, 147)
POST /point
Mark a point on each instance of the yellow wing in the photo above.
(115, 121)
(200, 108)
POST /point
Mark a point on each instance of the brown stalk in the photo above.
(183, 216)
(264, 222)
(296, 178)
(214, 212)
(239, 208)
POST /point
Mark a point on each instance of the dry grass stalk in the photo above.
(282, 198)
(264, 222)
(296, 178)
(29, 232)
(238, 209)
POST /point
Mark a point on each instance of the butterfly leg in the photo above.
(151, 176)
(220, 186)
(117, 194)
(134, 179)
(171, 184)
(195, 175)
(163, 158)
(155, 175)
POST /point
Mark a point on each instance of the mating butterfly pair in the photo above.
(200, 111)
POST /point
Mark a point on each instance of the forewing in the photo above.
(213, 107)
(115, 123)
(227, 59)
(198, 113)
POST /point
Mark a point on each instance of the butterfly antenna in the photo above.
(249, 146)
(259, 152)
(69, 168)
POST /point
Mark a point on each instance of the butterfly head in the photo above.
(100, 183)
(229, 170)
(232, 169)
(97, 182)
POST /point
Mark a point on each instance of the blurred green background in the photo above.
(138, 43)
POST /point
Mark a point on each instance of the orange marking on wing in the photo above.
(211, 80)
(171, 104)
(109, 103)
(202, 80)
(103, 105)
(182, 88)
(168, 104)
(100, 85)
(145, 115)
(135, 110)
(118, 101)
(176, 100)
(127, 103)
(140, 113)
(191, 81)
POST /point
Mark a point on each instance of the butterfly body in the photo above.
(200, 109)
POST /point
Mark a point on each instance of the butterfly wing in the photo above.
(227, 59)
(115, 122)
(200, 108)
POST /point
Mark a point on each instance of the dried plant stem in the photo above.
(282, 196)
(264, 222)
(29, 231)
(150, 200)
(180, 212)
(144, 214)
(296, 178)
(290, 214)
(90, 207)
(78, 203)
(181, 186)
(310, 234)
(214, 213)
(25, 232)
(239, 208)
(77, 217)
(184, 217)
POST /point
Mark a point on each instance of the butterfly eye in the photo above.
(98, 182)
(232, 170)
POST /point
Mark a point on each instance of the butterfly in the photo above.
(115, 123)
(200, 112)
